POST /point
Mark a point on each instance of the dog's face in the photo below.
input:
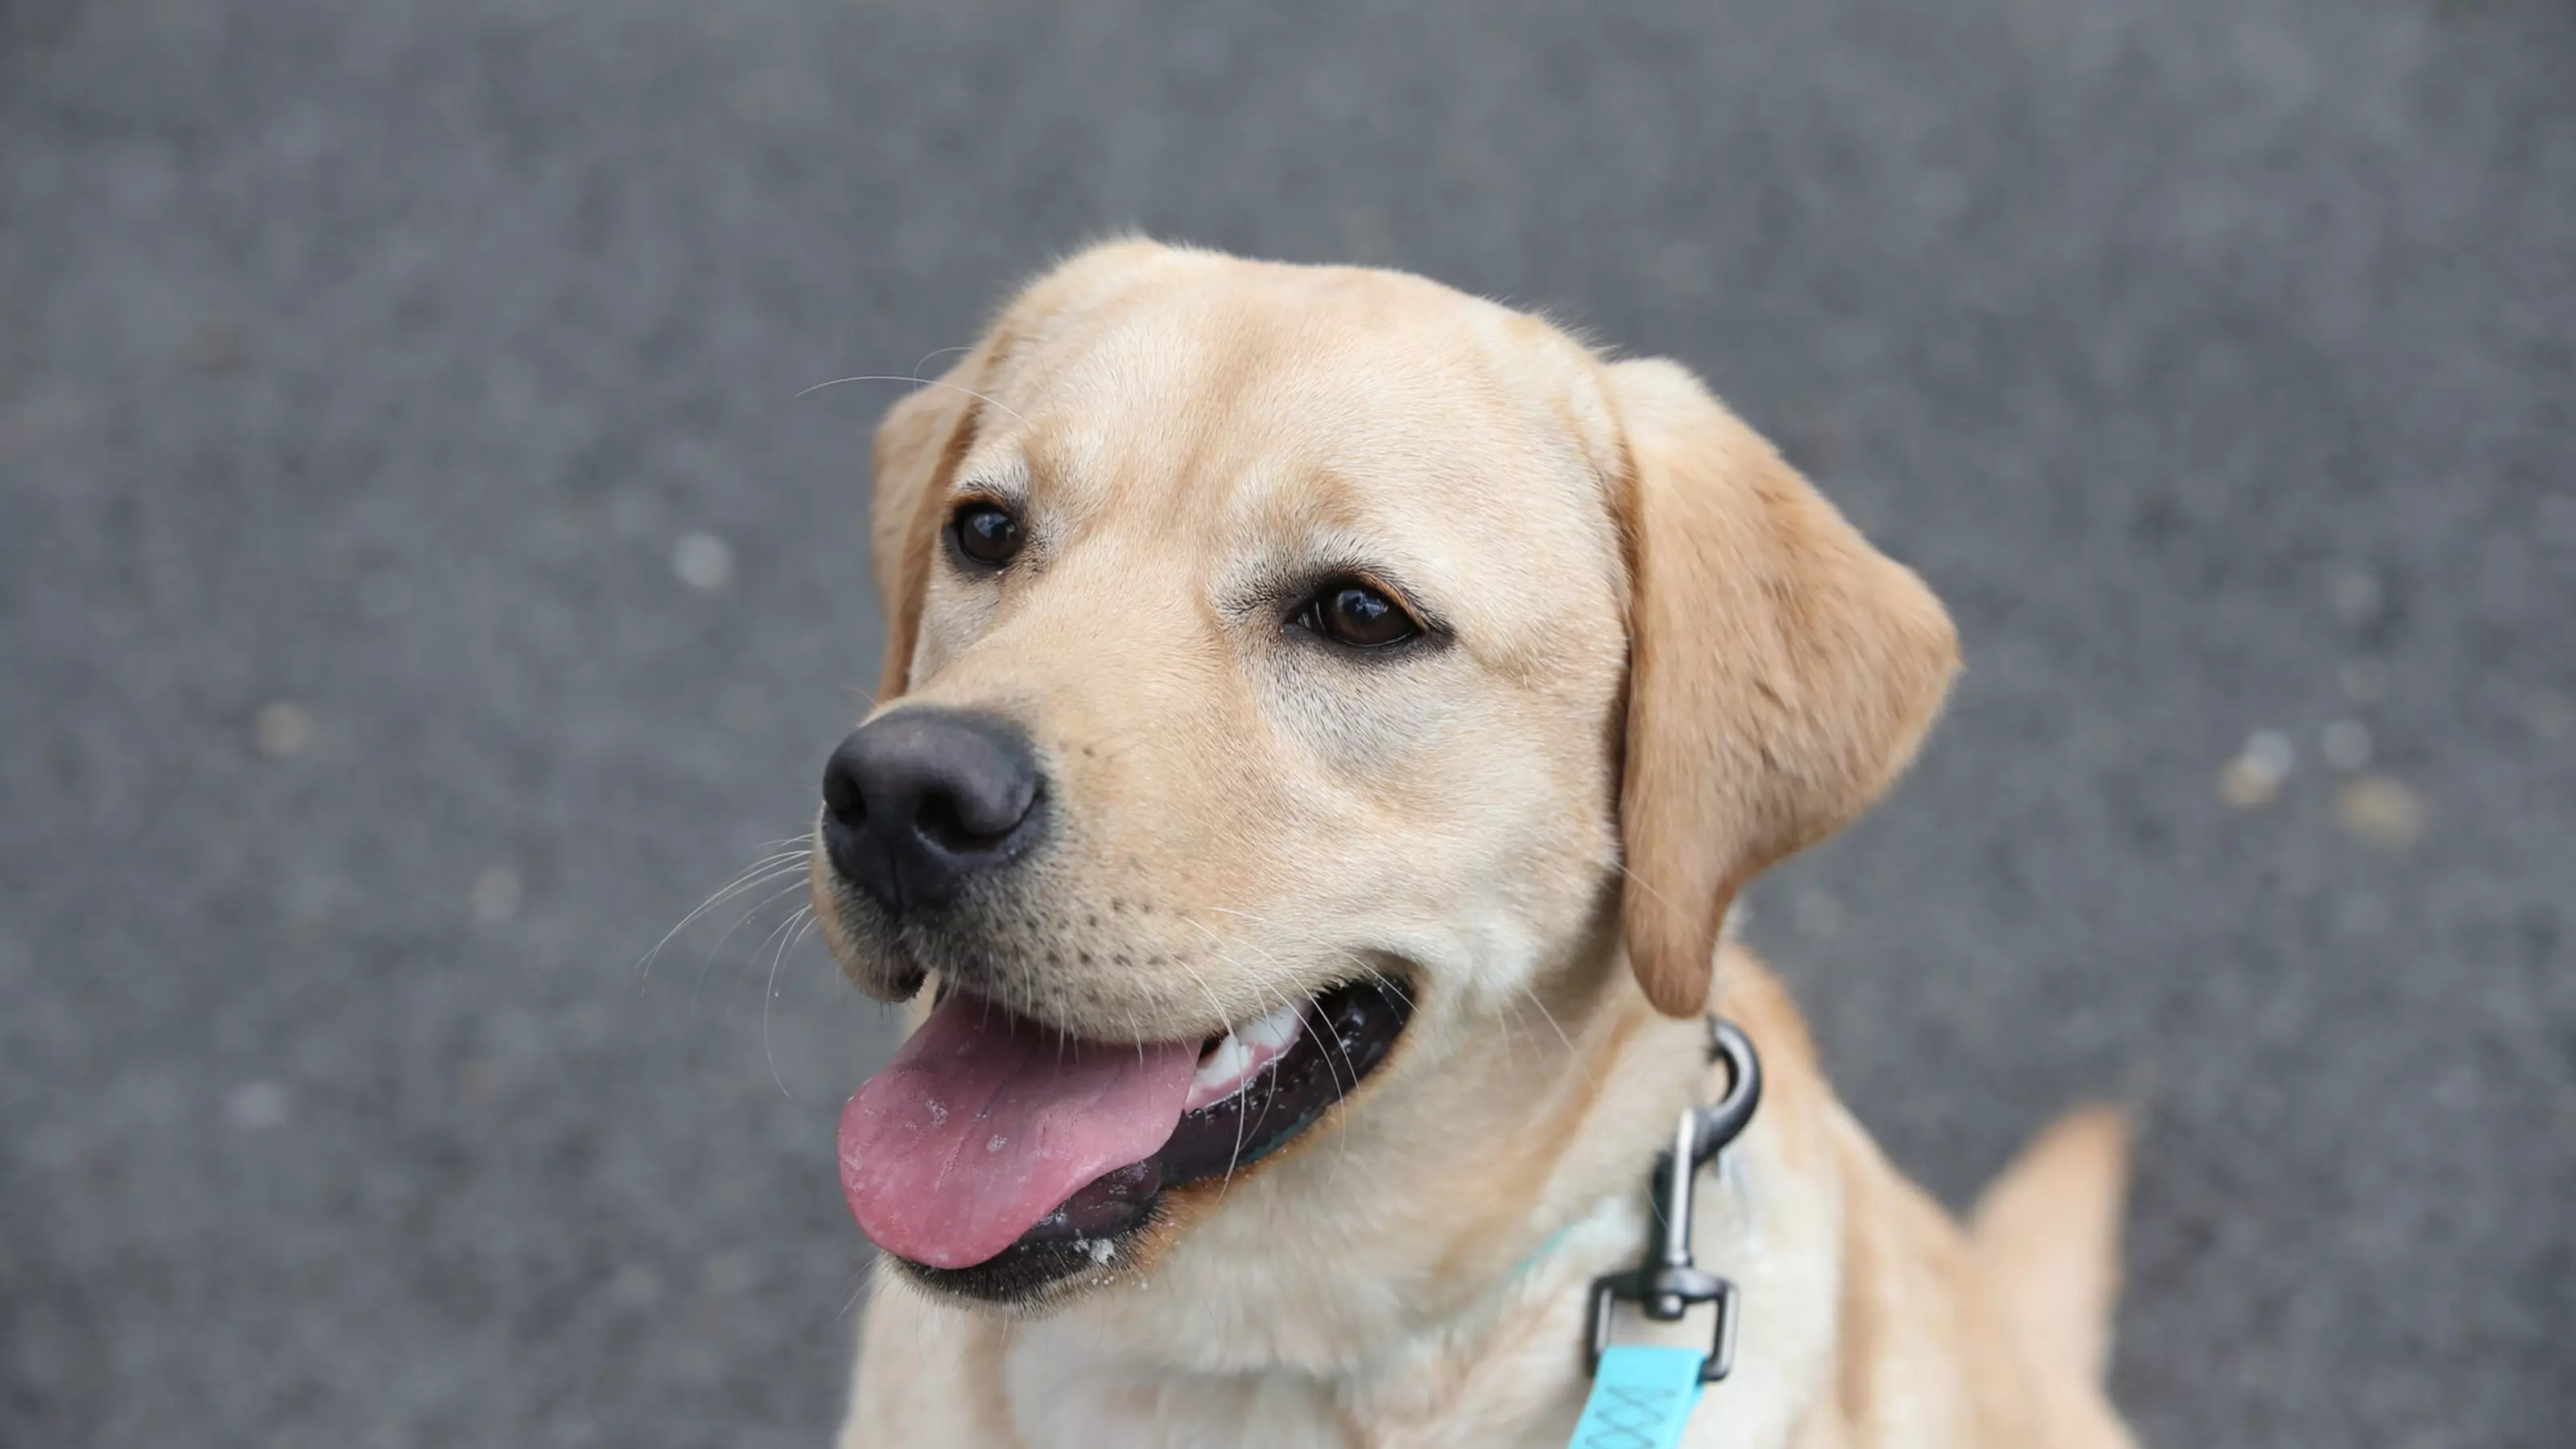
(1311, 616)
(1258, 703)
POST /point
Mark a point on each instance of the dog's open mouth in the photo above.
(992, 1143)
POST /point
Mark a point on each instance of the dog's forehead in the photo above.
(1262, 399)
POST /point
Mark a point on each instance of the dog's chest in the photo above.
(1061, 1402)
(1063, 1407)
(1506, 1377)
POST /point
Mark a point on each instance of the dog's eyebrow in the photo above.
(1002, 480)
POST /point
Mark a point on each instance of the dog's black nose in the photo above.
(917, 802)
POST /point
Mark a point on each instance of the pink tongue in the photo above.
(984, 1122)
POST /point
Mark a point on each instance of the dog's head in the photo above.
(1288, 670)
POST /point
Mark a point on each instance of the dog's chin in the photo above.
(1122, 1222)
(1055, 1262)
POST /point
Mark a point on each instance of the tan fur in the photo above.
(2047, 1234)
(1666, 649)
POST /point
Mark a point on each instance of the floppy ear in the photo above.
(918, 446)
(1781, 671)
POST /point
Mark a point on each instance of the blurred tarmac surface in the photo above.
(421, 583)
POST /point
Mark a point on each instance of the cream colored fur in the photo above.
(1668, 662)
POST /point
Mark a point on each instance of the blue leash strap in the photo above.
(1641, 1399)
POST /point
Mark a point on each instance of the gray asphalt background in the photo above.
(364, 365)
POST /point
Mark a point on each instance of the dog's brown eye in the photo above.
(985, 533)
(1354, 614)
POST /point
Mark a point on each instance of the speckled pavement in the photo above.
(421, 583)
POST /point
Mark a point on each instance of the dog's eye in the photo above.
(984, 533)
(1350, 612)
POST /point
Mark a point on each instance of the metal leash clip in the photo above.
(1666, 1288)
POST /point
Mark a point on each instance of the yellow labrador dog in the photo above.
(1325, 720)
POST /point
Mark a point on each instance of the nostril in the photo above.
(843, 800)
(943, 821)
(847, 806)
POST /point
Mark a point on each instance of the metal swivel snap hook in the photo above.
(1666, 1288)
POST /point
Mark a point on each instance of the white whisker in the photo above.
(918, 381)
(800, 918)
(767, 868)
(739, 921)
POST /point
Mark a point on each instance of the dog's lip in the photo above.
(1346, 1032)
